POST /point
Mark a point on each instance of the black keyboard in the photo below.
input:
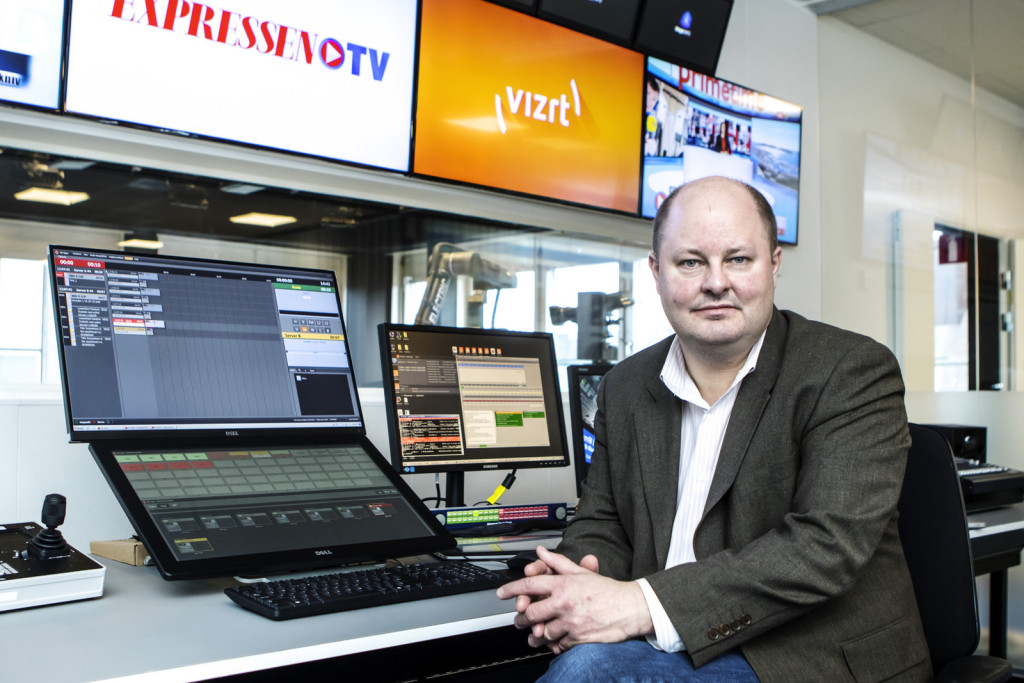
(338, 592)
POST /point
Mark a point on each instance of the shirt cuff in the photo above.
(665, 637)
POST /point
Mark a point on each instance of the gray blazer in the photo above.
(799, 564)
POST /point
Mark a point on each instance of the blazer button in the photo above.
(746, 620)
(714, 634)
(737, 625)
(725, 629)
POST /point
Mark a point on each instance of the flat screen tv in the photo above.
(31, 47)
(512, 102)
(613, 20)
(685, 32)
(326, 78)
(695, 126)
(219, 402)
(465, 399)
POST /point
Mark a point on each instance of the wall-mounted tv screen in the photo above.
(696, 126)
(685, 32)
(31, 44)
(328, 78)
(613, 20)
(521, 5)
(509, 101)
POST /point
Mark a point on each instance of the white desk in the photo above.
(146, 628)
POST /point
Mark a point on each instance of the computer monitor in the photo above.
(461, 399)
(218, 400)
(583, 384)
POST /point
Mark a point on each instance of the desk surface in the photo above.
(1003, 530)
(146, 627)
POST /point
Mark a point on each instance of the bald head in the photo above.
(763, 208)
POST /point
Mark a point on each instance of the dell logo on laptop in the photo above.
(231, 432)
(322, 552)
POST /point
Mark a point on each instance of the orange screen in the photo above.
(513, 102)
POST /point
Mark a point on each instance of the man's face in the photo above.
(714, 269)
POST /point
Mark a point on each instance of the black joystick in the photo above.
(49, 543)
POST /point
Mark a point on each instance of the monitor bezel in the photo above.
(263, 563)
(394, 439)
(573, 375)
(235, 433)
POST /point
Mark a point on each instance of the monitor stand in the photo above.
(455, 489)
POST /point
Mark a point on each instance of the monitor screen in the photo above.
(166, 346)
(612, 20)
(689, 33)
(31, 46)
(462, 399)
(584, 381)
(209, 507)
(512, 102)
(327, 78)
(696, 126)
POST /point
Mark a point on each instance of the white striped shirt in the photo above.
(703, 428)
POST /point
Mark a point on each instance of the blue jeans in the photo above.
(636, 661)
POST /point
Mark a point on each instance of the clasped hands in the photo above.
(565, 604)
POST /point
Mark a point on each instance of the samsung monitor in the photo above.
(463, 399)
(31, 50)
(515, 103)
(325, 78)
(584, 381)
(687, 32)
(219, 401)
(697, 126)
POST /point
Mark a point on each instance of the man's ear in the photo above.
(652, 263)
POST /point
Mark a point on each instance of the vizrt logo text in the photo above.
(266, 37)
(536, 106)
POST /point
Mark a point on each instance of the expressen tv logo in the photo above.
(537, 106)
(264, 36)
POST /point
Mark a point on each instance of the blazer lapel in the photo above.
(746, 413)
(657, 426)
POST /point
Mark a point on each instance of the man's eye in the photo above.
(689, 263)
(740, 259)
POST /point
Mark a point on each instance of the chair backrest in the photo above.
(937, 545)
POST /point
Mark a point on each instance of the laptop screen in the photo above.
(173, 346)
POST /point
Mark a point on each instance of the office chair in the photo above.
(933, 529)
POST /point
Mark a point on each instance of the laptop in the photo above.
(219, 401)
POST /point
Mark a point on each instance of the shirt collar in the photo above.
(678, 381)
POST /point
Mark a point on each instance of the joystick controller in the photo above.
(49, 543)
(39, 567)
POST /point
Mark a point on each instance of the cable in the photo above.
(438, 499)
(506, 484)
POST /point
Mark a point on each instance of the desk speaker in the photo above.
(967, 441)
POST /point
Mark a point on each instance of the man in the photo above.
(740, 510)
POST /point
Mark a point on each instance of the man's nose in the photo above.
(715, 279)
